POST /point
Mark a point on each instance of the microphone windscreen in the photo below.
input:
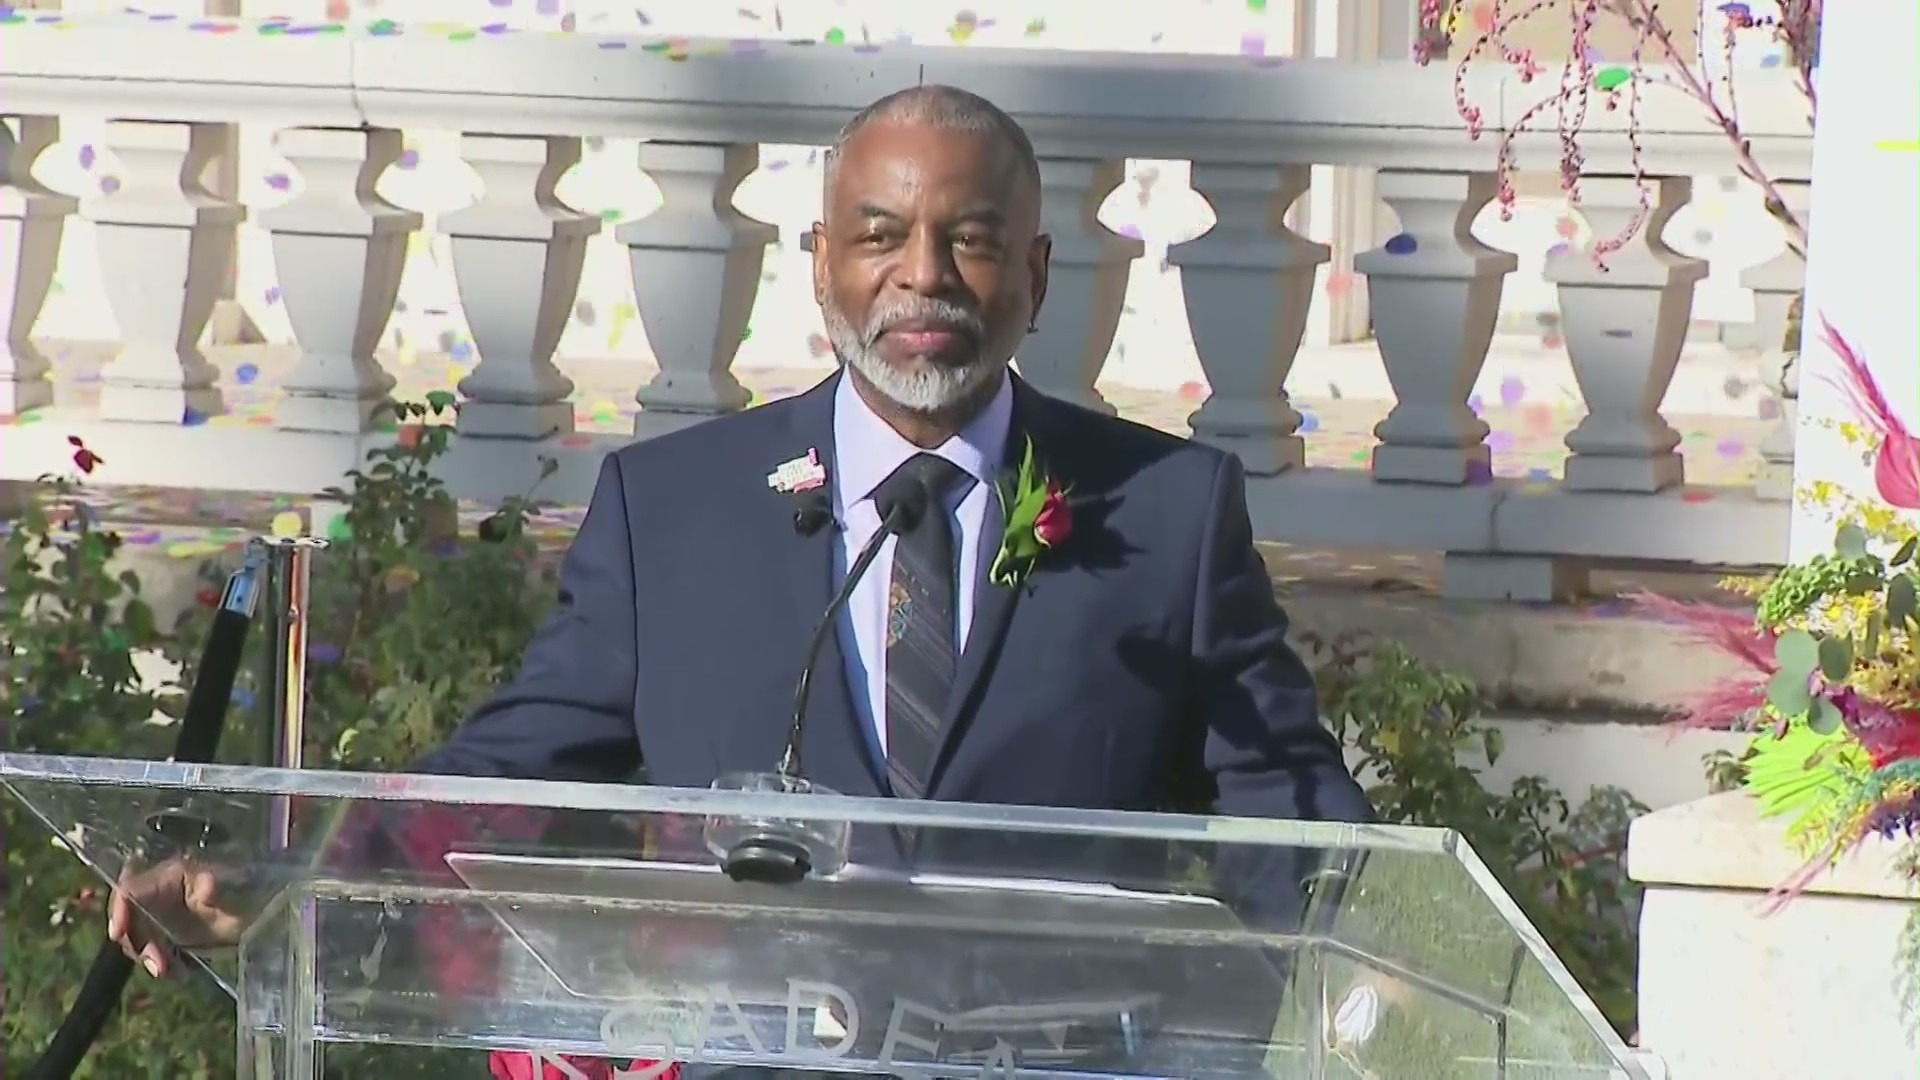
(901, 505)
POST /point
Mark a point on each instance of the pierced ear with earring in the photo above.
(1033, 326)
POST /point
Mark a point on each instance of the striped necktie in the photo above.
(922, 627)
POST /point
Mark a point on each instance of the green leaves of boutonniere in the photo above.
(1038, 519)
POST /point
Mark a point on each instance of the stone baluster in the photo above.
(696, 272)
(1249, 283)
(339, 250)
(166, 244)
(1776, 283)
(31, 220)
(1087, 285)
(517, 257)
(1624, 327)
(1436, 297)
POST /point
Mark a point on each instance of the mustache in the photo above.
(948, 316)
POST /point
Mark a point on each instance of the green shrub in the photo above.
(70, 627)
(1417, 729)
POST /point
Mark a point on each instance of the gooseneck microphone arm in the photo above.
(199, 739)
(899, 512)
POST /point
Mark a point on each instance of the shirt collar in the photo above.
(867, 450)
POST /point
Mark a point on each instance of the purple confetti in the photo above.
(1537, 473)
(86, 155)
(1130, 231)
(547, 7)
(273, 294)
(612, 44)
(1512, 391)
(1730, 448)
(280, 182)
(408, 159)
(246, 373)
(494, 28)
(1402, 244)
(1477, 403)
(1309, 423)
(109, 185)
(1500, 442)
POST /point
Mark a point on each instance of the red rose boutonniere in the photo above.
(1039, 519)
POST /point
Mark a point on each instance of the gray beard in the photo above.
(928, 388)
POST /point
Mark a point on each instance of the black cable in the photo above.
(201, 725)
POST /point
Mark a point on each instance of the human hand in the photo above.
(185, 898)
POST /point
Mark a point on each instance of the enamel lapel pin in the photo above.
(799, 475)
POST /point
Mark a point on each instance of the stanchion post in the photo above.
(283, 678)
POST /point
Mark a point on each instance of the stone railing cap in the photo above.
(1722, 842)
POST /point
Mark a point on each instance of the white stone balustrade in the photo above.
(524, 101)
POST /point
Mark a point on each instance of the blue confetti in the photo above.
(1402, 244)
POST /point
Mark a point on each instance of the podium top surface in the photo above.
(485, 913)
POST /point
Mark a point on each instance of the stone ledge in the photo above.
(1722, 842)
(1589, 661)
(1594, 657)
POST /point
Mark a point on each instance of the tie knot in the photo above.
(921, 481)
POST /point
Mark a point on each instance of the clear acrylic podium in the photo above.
(361, 918)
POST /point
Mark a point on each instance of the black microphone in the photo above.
(813, 515)
(901, 506)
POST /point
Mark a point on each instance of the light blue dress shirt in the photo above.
(866, 451)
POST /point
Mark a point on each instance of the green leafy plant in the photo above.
(1417, 730)
(72, 629)
(413, 624)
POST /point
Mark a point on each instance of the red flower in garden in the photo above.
(84, 459)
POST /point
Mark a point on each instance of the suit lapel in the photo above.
(834, 751)
(994, 605)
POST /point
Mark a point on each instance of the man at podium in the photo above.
(1113, 642)
(1025, 601)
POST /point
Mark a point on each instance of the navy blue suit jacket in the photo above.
(1141, 666)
